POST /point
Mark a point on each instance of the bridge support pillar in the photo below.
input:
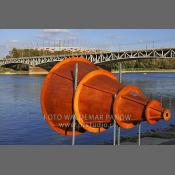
(120, 72)
(37, 70)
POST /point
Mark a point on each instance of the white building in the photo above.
(69, 49)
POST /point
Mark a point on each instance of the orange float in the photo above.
(58, 92)
(98, 99)
(94, 99)
(131, 106)
(155, 112)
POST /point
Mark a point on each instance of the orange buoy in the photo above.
(131, 106)
(98, 100)
(100, 97)
(155, 112)
(58, 92)
(94, 98)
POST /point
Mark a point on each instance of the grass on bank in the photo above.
(11, 71)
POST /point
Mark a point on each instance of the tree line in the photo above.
(164, 63)
(17, 53)
(150, 64)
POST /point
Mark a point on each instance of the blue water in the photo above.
(21, 121)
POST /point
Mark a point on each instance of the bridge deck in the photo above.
(97, 58)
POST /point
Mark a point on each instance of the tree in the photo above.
(15, 53)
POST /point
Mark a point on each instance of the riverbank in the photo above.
(14, 73)
(22, 73)
(154, 137)
(8, 71)
(145, 71)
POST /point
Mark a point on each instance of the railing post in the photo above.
(114, 136)
(161, 99)
(120, 79)
(118, 141)
(139, 134)
(120, 72)
(114, 128)
(74, 117)
(169, 101)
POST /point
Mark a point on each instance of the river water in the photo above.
(21, 121)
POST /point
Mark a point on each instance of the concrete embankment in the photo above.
(154, 137)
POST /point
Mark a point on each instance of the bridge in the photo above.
(97, 58)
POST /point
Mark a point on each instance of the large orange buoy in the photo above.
(58, 92)
(94, 99)
(98, 100)
(100, 97)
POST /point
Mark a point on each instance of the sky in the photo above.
(114, 39)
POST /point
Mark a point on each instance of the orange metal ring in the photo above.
(166, 115)
(77, 99)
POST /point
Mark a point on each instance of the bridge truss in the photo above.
(97, 58)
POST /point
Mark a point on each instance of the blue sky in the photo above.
(106, 38)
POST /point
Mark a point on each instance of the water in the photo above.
(21, 121)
